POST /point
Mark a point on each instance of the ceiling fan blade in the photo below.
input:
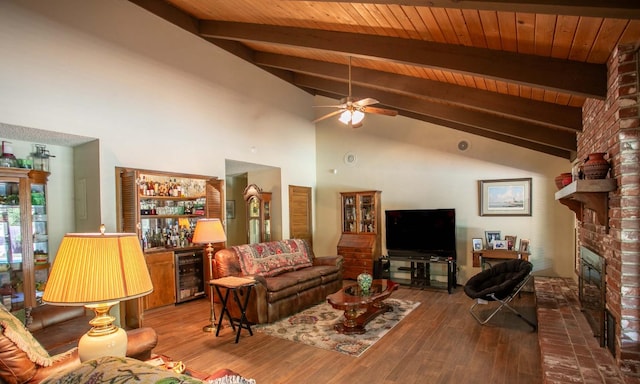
(365, 102)
(330, 106)
(328, 115)
(380, 111)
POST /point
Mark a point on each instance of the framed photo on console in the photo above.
(477, 244)
(500, 244)
(511, 241)
(524, 245)
(505, 197)
(490, 236)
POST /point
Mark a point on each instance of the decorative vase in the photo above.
(563, 180)
(596, 166)
(364, 281)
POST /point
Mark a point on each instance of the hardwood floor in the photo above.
(439, 342)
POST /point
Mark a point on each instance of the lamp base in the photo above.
(93, 347)
(209, 328)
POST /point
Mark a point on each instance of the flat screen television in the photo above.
(421, 232)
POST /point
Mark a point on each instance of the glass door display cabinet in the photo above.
(360, 242)
(258, 205)
(39, 223)
(23, 234)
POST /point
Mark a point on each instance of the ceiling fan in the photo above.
(352, 111)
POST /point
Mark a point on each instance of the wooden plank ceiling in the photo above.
(516, 71)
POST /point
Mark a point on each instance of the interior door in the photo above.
(300, 226)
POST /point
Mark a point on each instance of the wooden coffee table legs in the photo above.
(354, 324)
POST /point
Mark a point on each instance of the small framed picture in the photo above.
(524, 245)
(511, 241)
(500, 244)
(231, 209)
(477, 244)
(490, 236)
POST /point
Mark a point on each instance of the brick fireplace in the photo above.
(613, 126)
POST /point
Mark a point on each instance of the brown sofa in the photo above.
(289, 277)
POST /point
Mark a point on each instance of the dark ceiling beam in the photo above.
(554, 115)
(170, 13)
(619, 9)
(519, 129)
(479, 132)
(493, 135)
(576, 78)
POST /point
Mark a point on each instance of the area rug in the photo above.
(314, 327)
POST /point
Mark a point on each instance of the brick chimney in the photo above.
(613, 126)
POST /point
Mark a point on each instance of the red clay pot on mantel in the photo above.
(563, 180)
(596, 166)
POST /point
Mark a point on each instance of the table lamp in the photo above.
(209, 231)
(98, 270)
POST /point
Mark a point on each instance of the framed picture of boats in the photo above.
(505, 197)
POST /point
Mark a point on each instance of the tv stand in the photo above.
(425, 270)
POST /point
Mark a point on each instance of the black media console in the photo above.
(425, 270)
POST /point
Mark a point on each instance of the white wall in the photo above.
(156, 96)
(417, 165)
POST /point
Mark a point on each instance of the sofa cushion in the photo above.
(273, 258)
(112, 369)
(15, 331)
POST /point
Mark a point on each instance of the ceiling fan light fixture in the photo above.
(345, 117)
(357, 117)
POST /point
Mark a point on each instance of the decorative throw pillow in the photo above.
(273, 265)
(111, 369)
(15, 331)
(231, 379)
(273, 258)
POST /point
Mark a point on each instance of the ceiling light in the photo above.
(345, 117)
(357, 117)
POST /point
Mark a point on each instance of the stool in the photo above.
(235, 285)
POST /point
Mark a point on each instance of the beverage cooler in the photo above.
(189, 275)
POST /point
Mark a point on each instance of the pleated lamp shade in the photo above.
(209, 231)
(92, 268)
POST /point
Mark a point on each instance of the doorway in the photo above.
(239, 174)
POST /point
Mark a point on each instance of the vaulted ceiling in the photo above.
(516, 71)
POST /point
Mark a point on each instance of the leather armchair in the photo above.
(17, 368)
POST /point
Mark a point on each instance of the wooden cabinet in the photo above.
(23, 233)
(39, 225)
(258, 214)
(162, 209)
(360, 242)
(162, 270)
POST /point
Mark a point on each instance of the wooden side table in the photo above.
(480, 256)
(239, 286)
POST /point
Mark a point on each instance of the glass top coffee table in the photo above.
(352, 300)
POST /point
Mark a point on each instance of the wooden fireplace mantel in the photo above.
(589, 194)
